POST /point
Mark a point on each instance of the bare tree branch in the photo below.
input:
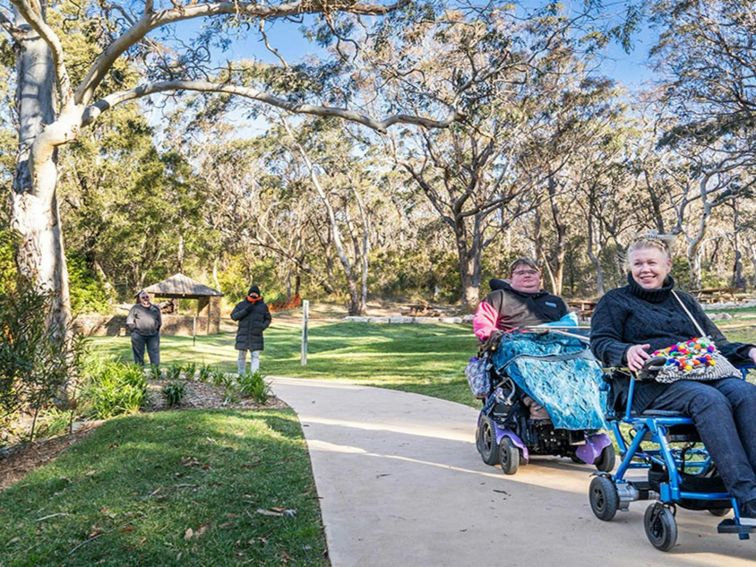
(151, 20)
(92, 112)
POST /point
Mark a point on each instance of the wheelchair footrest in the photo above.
(729, 526)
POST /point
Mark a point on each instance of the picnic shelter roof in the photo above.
(179, 285)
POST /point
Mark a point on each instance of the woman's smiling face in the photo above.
(649, 267)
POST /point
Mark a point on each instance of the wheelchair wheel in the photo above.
(509, 456)
(485, 441)
(603, 497)
(606, 460)
(661, 526)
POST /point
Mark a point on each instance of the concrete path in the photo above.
(401, 484)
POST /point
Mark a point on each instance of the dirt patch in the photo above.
(19, 460)
(200, 395)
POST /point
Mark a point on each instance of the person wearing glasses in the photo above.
(144, 322)
(517, 302)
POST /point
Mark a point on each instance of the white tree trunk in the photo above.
(34, 208)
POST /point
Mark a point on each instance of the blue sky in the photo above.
(629, 69)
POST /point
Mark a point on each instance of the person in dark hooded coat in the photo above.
(253, 317)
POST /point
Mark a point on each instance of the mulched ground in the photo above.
(17, 461)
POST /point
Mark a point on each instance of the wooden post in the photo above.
(194, 330)
(305, 320)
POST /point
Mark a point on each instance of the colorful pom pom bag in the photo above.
(696, 359)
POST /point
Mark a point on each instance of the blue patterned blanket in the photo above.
(558, 372)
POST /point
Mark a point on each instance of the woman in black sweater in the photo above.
(631, 322)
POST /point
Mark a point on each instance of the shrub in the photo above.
(112, 388)
(174, 393)
(155, 372)
(39, 363)
(53, 422)
(189, 369)
(253, 385)
(173, 372)
(205, 373)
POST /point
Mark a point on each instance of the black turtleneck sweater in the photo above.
(631, 315)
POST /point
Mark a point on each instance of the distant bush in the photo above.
(88, 292)
(112, 388)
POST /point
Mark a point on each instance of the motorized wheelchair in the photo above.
(507, 434)
(679, 471)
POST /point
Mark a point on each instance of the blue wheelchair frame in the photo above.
(656, 426)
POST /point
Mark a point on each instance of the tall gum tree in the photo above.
(52, 108)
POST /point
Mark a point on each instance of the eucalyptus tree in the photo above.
(341, 178)
(259, 203)
(573, 130)
(706, 56)
(55, 101)
(478, 175)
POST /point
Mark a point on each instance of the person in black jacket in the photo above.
(143, 322)
(253, 317)
(633, 321)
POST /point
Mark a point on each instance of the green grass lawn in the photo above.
(427, 359)
(130, 491)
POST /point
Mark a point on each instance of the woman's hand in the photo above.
(637, 355)
(752, 354)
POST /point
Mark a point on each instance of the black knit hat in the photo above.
(254, 289)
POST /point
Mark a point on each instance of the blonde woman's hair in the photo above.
(644, 242)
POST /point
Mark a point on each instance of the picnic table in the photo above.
(583, 307)
(716, 294)
(421, 310)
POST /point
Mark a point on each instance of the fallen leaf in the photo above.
(188, 534)
(96, 531)
(277, 511)
(127, 529)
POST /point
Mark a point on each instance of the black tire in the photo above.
(606, 460)
(485, 441)
(576, 459)
(604, 498)
(661, 526)
(719, 511)
(509, 456)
